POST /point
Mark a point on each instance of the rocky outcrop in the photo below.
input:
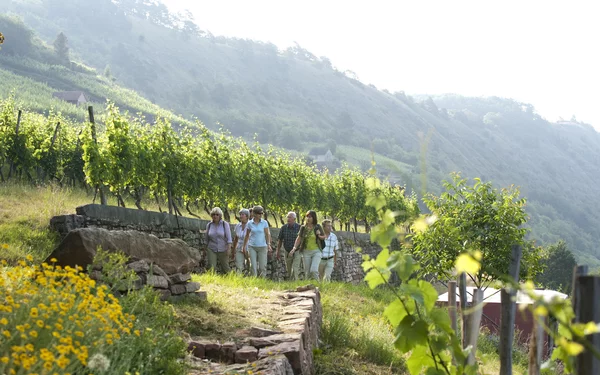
(282, 352)
(164, 265)
(79, 247)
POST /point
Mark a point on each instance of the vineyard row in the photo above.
(189, 168)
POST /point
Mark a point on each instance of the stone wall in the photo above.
(287, 351)
(164, 225)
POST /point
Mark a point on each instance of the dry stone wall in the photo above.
(163, 225)
(287, 351)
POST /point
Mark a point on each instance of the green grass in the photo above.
(353, 325)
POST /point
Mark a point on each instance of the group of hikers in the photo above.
(313, 243)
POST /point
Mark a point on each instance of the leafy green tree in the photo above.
(559, 264)
(471, 218)
(61, 48)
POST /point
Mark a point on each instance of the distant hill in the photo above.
(299, 101)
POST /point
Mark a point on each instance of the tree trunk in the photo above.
(474, 321)
(158, 203)
(187, 207)
(103, 199)
(170, 199)
(226, 214)
(507, 320)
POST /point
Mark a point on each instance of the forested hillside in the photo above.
(296, 100)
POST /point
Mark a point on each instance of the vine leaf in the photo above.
(395, 312)
(410, 333)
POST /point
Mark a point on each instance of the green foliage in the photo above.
(558, 268)
(133, 156)
(61, 49)
(425, 331)
(156, 347)
(470, 218)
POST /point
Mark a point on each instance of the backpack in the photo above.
(227, 236)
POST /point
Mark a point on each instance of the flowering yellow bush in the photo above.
(56, 319)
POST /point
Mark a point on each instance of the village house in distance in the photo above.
(323, 158)
(73, 97)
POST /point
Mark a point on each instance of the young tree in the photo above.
(471, 218)
(61, 48)
(108, 73)
(559, 264)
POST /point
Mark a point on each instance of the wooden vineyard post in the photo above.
(587, 295)
(577, 271)
(452, 304)
(474, 319)
(462, 289)
(536, 346)
(12, 162)
(101, 186)
(507, 320)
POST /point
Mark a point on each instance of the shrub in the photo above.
(58, 319)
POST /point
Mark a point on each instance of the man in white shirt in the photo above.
(329, 252)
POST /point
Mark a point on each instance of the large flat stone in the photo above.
(177, 289)
(196, 348)
(261, 342)
(180, 278)
(262, 332)
(79, 247)
(212, 350)
(293, 351)
(246, 354)
(157, 281)
(192, 286)
(228, 351)
(139, 266)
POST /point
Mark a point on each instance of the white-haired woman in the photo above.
(239, 254)
(258, 242)
(218, 241)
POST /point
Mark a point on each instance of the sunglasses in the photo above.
(215, 215)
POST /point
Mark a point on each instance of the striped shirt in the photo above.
(331, 246)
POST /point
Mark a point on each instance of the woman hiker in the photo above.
(218, 241)
(239, 254)
(258, 242)
(310, 242)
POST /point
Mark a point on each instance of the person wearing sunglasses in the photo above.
(310, 243)
(218, 241)
(257, 242)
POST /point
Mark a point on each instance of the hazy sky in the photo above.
(541, 52)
